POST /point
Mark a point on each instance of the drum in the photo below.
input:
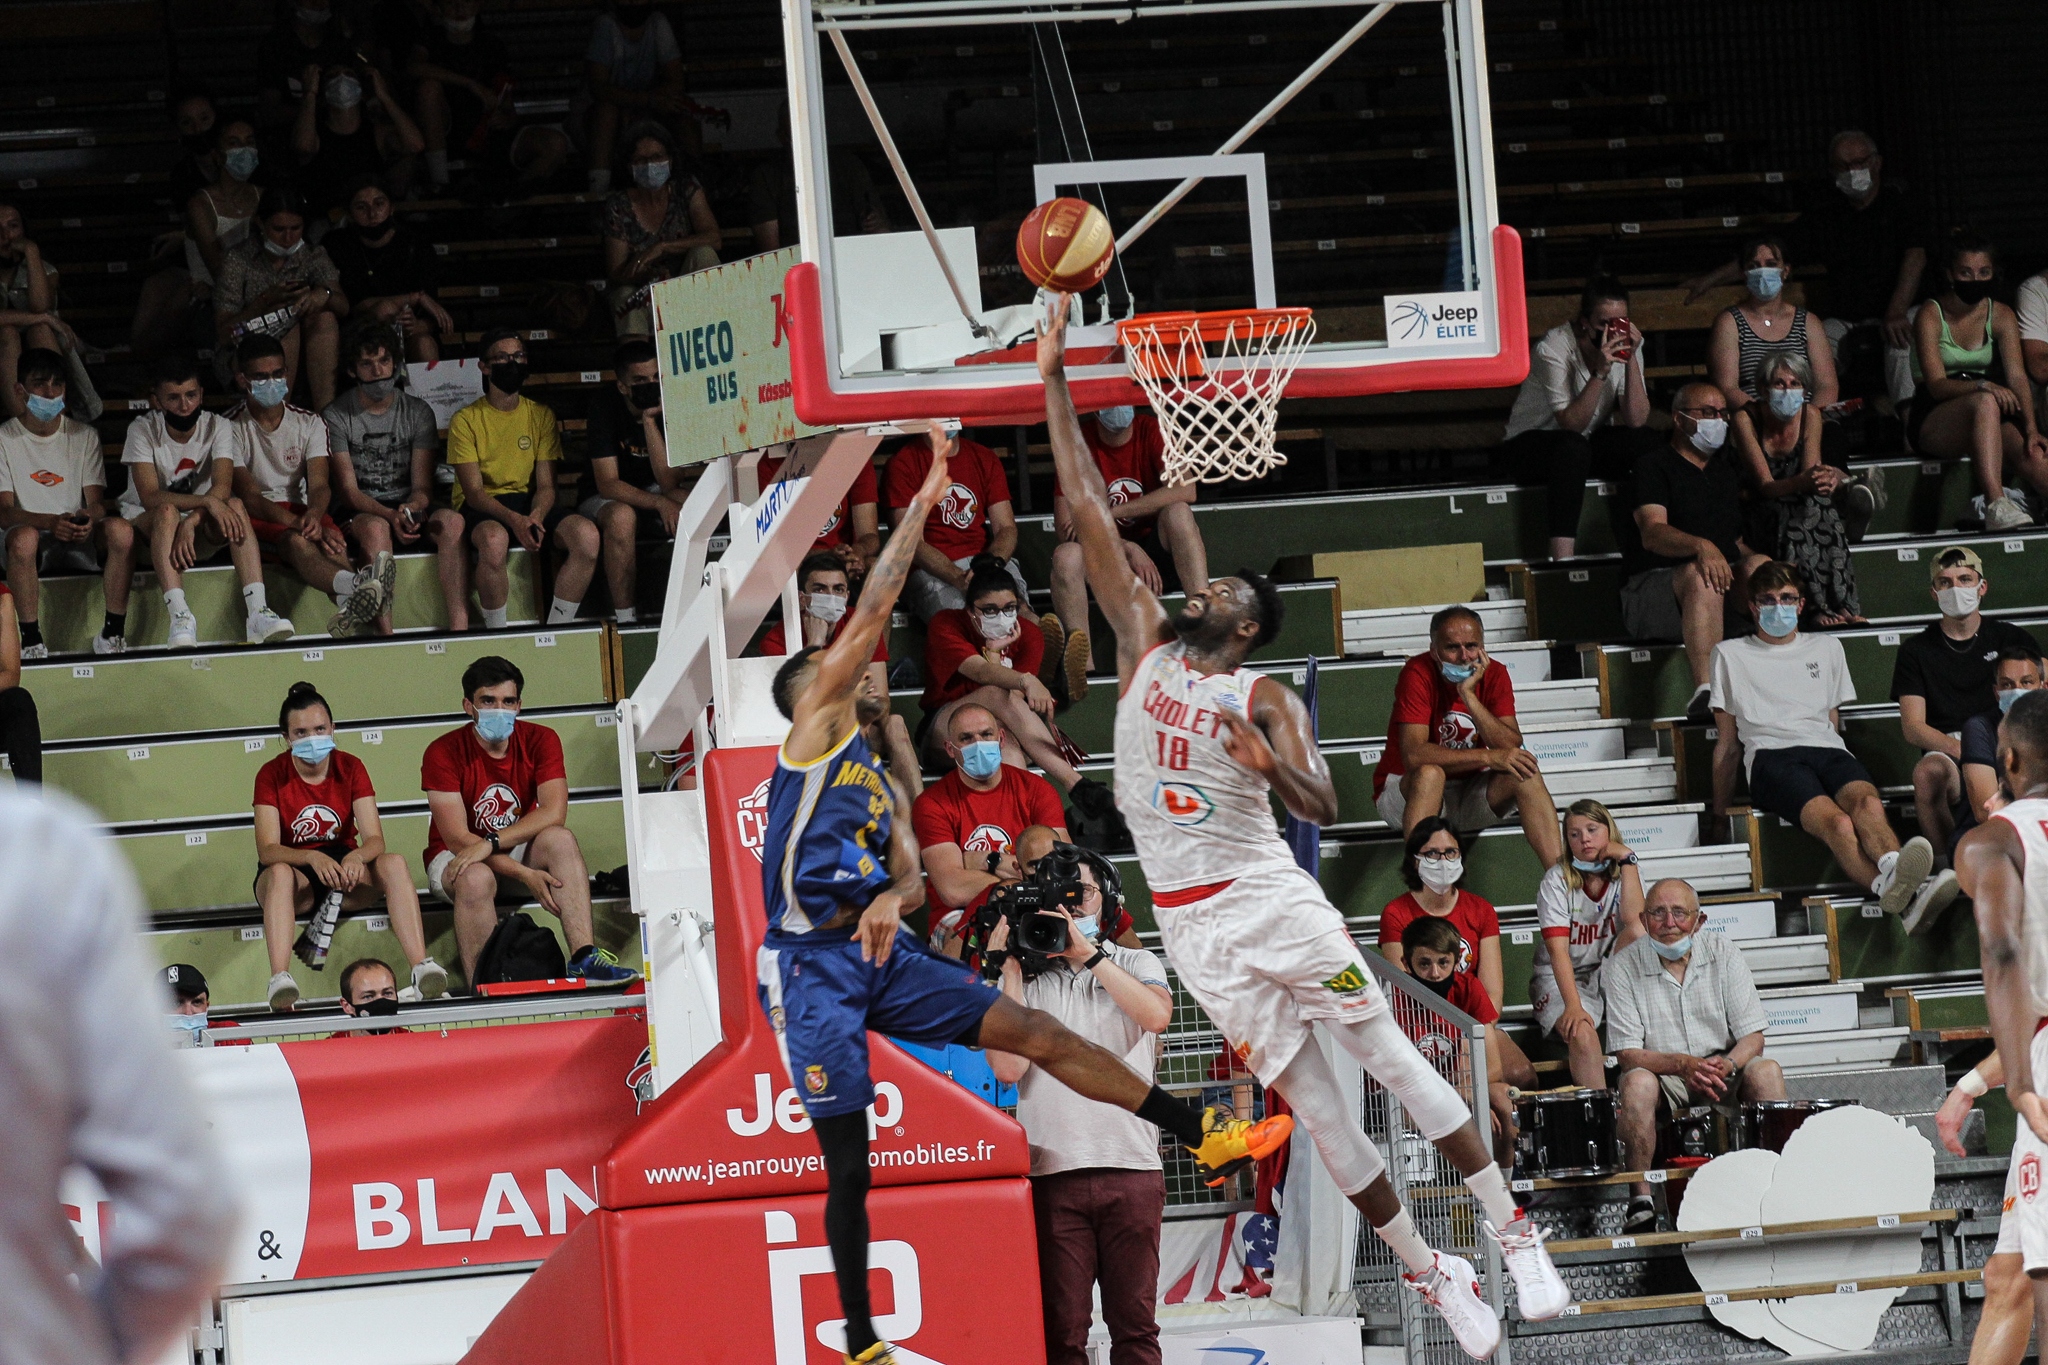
(1568, 1134)
(1768, 1123)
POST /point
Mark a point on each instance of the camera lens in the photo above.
(1042, 933)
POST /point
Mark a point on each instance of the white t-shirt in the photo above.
(2033, 307)
(1557, 372)
(276, 460)
(1780, 695)
(633, 64)
(1589, 926)
(48, 475)
(181, 466)
(1065, 1131)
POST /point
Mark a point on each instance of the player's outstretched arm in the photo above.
(1278, 742)
(1127, 604)
(1990, 863)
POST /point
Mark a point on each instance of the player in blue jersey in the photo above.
(842, 869)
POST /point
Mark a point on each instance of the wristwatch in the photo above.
(995, 857)
(1093, 962)
(1630, 861)
(494, 844)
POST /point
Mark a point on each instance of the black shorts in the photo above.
(1782, 781)
(521, 503)
(1161, 557)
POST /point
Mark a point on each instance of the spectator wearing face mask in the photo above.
(1687, 554)
(281, 476)
(218, 215)
(281, 286)
(342, 136)
(1587, 905)
(21, 731)
(2019, 671)
(195, 117)
(180, 501)
(388, 271)
(969, 822)
(307, 35)
(633, 69)
(1161, 539)
(498, 797)
(369, 990)
(1766, 324)
(660, 228)
(190, 1001)
(466, 107)
(824, 595)
(637, 490)
(320, 850)
(1943, 676)
(1974, 400)
(28, 304)
(1778, 448)
(1430, 948)
(381, 447)
(53, 515)
(504, 448)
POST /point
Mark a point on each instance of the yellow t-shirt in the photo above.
(504, 446)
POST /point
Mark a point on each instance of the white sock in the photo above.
(625, 616)
(1402, 1238)
(344, 584)
(174, 600)
(561, 611)
(600, 181)
(253, 600)
(1490, 1188)
(494, 618)
(437, 167)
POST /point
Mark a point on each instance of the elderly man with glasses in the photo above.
(1685, 1025)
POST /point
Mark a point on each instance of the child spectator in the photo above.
(498, 797)
(1431, 947)
(1588, 905)
(281, 477)
(636, 489)
(354, 139)
(180, 501)
(634, 69)
(21, 731)
(318, 833)
(660, 228)
(52, 511)
(28, 304)
(281, 286)
(975, 519)
(381, 443)
(388, 271)
(504, 448)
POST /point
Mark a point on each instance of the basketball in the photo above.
(1065, 245)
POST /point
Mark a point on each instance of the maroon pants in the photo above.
(1099, 1224)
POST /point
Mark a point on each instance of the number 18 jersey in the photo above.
(1197, 815)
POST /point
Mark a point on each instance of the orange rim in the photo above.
(1153, 340)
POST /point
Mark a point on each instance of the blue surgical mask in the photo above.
(241, 161)
(1766, 281)
(1456, 673)
(1088, 925)
(1777, 618)
(2009, 696)
(1582, 865)
(1116, 419)
(190, 1026)
(45, 409)
(495, 723)
(651, 175)
(313, 748)
(270, 393)
(981, 758)
(1671, 952)
(1786, 403)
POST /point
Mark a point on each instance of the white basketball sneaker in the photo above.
(184, 630)
(1539, 1289)
(1451, 1287)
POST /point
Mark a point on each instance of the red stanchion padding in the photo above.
(749, 1282)
(734, 1127)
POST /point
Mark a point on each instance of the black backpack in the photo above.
(519, 950)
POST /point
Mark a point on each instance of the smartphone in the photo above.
(1618, 328)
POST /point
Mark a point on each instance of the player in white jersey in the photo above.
(1201, 741)
(2003, 868)
(2007, 1320)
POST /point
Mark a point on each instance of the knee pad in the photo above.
(1432, 1103)
(1313, 1092)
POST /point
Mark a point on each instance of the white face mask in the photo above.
(1957, 603)
(1440, 874)
(826, 606)
(998, 627)
(1709, 434)
(1854, 182)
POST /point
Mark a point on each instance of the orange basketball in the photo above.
(1065, 245)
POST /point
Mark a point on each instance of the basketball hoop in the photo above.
(1218, 411)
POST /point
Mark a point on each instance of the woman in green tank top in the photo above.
(1973, 400)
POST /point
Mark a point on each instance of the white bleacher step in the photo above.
(1793, 1010)
(1800, 959)
(1741, 920)
(1647, 829)
(1709, 868)
(1407, 628)
(1837, 1049)
(1527, 661)
(1557, 745)
(1576, 700)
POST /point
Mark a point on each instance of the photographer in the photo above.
(1097, 1185)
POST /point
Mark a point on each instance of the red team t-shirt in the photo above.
(951, 812)
(496, 792)
(309, 816)
(1423, 696)
(774, 642)
(1473, 917)
(954, 637)
(1129, 471)
(839, 529)
(1433, 1040)
(957, 527)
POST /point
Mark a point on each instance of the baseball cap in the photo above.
(1954, 557)
(185, 980)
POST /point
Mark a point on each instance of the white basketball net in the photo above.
(1219, 414)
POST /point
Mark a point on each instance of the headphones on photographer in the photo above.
(1107, 880)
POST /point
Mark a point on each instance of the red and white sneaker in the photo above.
(1451, 1287)
(1539, 1289)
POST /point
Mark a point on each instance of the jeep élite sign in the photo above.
(724, 354)
(1429, 321)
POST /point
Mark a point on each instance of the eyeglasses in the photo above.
(990, 613)
(1438, 855)
(1704, 412)
(1669, 914)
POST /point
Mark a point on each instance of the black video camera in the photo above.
(1038, 933)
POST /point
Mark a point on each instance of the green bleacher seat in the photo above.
(1867, 945)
